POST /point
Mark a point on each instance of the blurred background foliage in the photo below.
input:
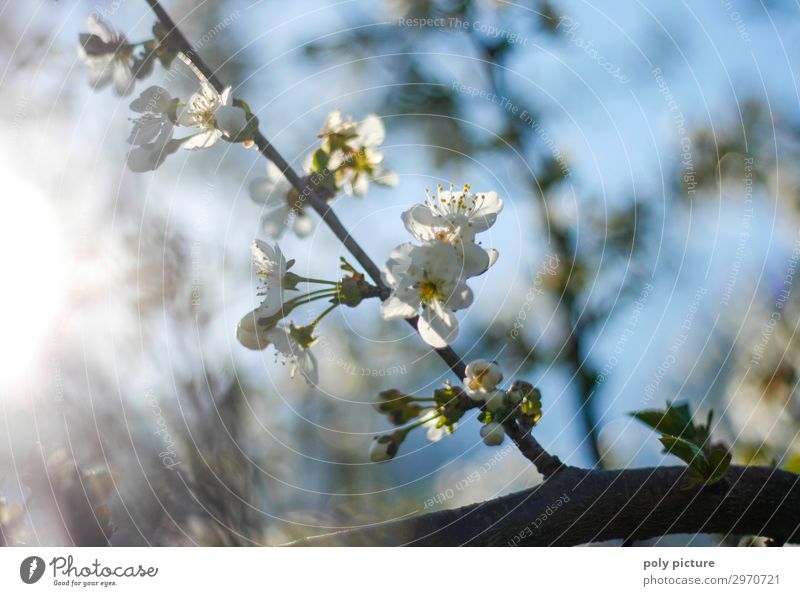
(647, 155)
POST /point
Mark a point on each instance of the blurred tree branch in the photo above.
(518, 138)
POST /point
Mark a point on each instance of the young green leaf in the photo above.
(687, 451)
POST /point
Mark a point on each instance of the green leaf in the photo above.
(685, 450)
(675, 420)
(689, 442)
(320, 161)
(718, 461)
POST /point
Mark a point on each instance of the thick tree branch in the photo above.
(582, 506)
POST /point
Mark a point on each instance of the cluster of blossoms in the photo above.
(347, 160)
(265, 325)
(440, 413)
(426, 279)
(429, 279)
(208, 115)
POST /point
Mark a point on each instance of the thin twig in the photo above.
(547, 463)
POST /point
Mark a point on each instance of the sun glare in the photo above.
(32, 266)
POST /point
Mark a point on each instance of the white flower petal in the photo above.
(401, 304)
(225, 98)
(149, 156)
(493, 256)
(98, 27)
(123, 78)
(306, 362)
(154, 100)
(493, 433)
(460, 298)
(202, 140)
(476, 260)
(385, 177)
(487, 205)
(271, 190)
(185, 116)
(398, 264)
(100, 70)
(437, 326)
(371, 132)
(422, 223)
(435, 434)
(359, 186)
(303, 225)
(441, 261)
(146, 129)
(274, 222)
(249, 335)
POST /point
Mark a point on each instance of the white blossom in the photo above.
(152, 132)
(335, 124)
(455, 217)
(493, 433)
(426, 280)
(353, 152)
(435, 431)
(150, 156)
(214, 114)
(293, 351)
(283, 205)
(252, 334)
(482, 378)
(271, 267)
(107, 56)
(153, 104)
(453, 213)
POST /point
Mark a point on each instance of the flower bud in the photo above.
(350, 292)
(390, 400)
(493, 433)
(384, 447)
(496, 400)
(482, 378)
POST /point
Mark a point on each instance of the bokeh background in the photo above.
(647, 155)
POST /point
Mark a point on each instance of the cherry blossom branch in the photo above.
(546, 463)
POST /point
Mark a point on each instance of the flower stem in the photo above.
(314, 280)
(323, 313)
(289, 306)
